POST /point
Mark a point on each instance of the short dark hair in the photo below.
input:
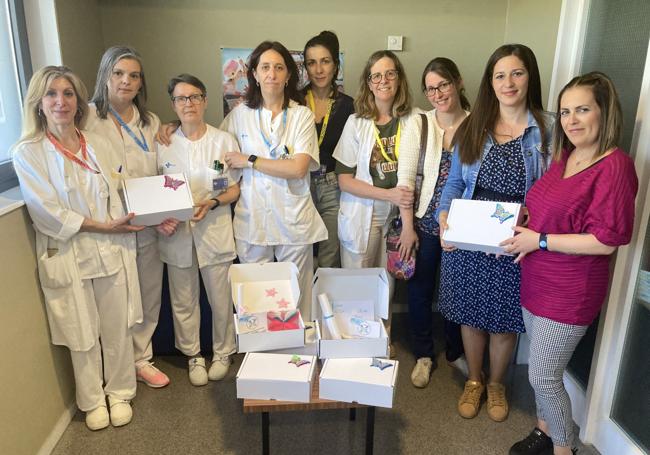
(447, 69)
(253, 97)
(329, 41)
(185, 79)
(611, 115)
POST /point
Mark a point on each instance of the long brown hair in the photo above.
(447, 69)
(472, 133)
(364, 103)
(253, 98)
(611, 115)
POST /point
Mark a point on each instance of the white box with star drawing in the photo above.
(481, 225)
(266, 299)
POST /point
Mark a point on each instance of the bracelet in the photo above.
(543, 241)
(217, 203)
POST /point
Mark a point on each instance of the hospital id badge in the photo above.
(220, 184)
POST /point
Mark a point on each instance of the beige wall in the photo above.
(535, 24)
(80, 37)
(186, 35)
(36, 377)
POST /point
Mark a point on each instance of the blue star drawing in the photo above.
(380, 364)
(501, 214)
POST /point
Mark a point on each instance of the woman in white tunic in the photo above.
(275, 215)
(118, 114)
(84, 246)
(206, 242)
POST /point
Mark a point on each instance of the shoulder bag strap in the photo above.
(419, 176)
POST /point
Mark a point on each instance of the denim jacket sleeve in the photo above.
(455, 185)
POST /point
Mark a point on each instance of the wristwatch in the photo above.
(543, 242)
(217, 203)
(251, 160)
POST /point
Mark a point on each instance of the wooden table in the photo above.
(315, 403)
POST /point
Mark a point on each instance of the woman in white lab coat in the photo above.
(206, 242)
(84, 244)
(118, 114)
(275, 216)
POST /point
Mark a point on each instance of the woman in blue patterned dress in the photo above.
(500, 150)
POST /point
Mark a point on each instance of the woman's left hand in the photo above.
(236, 160)
(523, 242)
(408, 243)
(202, 209)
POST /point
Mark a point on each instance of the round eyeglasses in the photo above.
(443, 88)
(389, 75)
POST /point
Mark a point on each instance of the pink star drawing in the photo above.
(271, 292)
(282, 303)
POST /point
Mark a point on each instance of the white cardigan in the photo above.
(408, 159)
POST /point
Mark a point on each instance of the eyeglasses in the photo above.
(443, 88)
(389, 75)
(182, 100)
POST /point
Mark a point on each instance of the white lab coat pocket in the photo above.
(54, 271)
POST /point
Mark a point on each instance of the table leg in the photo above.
(370, 430)
(265, 433)
(353, 414)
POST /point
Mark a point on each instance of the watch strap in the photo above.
(543, 241)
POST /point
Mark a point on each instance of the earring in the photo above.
(257, 83)
(286, 83)
(40, 112)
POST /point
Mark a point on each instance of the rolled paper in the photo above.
(328, 316)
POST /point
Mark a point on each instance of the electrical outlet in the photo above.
(395, 42)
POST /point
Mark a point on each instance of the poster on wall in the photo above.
(234, 70)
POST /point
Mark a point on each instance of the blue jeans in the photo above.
(326, 194)
(421, 288)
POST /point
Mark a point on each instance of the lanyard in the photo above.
(142, 143)
(266, 140)
(312, 106)
(71, 156)
(397, 140)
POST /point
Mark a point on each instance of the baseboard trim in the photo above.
(53, 438)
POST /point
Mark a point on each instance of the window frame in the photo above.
(18, 25)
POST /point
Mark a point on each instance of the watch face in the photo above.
(542, 244)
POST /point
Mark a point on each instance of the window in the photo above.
(16, 71)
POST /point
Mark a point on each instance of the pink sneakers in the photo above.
(151, 375)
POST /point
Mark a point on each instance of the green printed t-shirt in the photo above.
(384, 173)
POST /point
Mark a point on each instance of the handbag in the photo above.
(404, 270)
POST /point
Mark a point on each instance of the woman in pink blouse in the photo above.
(581, 210)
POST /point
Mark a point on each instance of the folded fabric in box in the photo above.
(283, 320)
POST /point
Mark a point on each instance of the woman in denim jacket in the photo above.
(501, 149)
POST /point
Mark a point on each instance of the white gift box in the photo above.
(258, 288)
(481, 225)
(312, 341)
(264, 376)
(352, 286)
(156, 198)
(356, 381)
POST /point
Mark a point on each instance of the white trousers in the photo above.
(301, 255)
(184, 290)
(150, 273)
(116, 376)
(375, 256)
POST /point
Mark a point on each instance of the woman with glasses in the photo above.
(205, 242)
(118, 113)
(84, 246)
(331, 109)
(500, 150)
(275, 217)
(443, 87)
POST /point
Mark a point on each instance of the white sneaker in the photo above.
(421, 372)
(219, 368)
(97, 419)
(121, 412)
(461, 365)
(198, 373)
